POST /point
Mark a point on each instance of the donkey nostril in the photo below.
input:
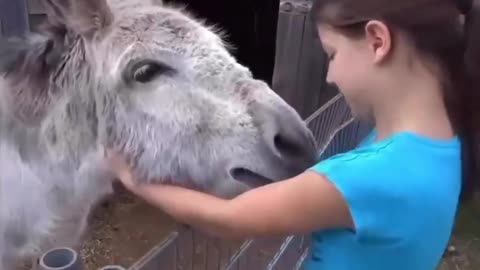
(287, 147)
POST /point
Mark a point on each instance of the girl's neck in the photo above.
(416, 105)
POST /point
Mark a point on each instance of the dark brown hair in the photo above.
(436, 29)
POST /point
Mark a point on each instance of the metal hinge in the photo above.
(301, 7)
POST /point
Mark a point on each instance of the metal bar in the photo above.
(302, 259)
(163, 256)
(280, 253)
(240, 252)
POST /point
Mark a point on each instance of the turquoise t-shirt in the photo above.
(402, 192)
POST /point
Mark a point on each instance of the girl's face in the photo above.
(354, 66)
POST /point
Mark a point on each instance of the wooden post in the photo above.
(300, 63)
(13, 18)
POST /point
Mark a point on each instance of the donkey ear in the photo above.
(84, 17)
(26, 66)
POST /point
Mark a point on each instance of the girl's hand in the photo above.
(120, 168)
(301, 204)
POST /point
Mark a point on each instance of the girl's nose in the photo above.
(329, 77)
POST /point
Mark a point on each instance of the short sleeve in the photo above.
(375, 195)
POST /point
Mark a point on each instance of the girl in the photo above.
(390, 203)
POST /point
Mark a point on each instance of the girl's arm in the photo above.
(301, 204)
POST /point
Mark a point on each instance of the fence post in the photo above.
(300, 62)
(13, 18)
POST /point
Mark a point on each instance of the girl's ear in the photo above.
(379, 40)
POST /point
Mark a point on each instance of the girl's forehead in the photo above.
(328, 37)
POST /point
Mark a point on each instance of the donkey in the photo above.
(148, 80)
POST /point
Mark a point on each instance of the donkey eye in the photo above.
(148, 70)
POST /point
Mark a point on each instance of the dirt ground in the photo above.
(464, 251)
(122, 230)
(125, 228)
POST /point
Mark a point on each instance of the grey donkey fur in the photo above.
(148, 80)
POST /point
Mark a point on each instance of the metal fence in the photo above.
(336, 131)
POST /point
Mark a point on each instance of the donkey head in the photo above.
(160, 87)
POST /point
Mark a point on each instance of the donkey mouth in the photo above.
(249, 177)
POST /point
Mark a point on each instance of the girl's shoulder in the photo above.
(395, 188)
(401, 146)
(396, 180)
(403, 162)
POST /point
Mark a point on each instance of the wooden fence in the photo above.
(300, 63)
